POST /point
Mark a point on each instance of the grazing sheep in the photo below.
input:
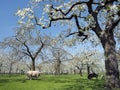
(33, 74)
(90, 76)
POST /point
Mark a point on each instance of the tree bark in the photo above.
(111, 63)
(33, 64)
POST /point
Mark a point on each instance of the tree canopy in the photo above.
(100, 17)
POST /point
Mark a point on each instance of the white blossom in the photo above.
(59, 7)
(114, 7)
(102, 4)
(84, 6)
(36, 1)
(23, 12)
(31, 16)
(47, 8)
(20, 13)
(20, 22)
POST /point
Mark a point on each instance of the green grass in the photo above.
(50, 82)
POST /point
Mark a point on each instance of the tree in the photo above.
(27, 51)
(13, 59)
(88, 60)
(56, 54)
(79, 65)
(28, 44)
(59, 55)
(101, 17)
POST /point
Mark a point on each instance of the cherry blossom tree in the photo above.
(100, 17)
(28, 43)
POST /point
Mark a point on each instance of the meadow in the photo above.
(50, 82)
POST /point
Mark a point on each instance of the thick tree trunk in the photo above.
(111, 63)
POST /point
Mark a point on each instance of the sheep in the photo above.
(90, 76)
(33, 74)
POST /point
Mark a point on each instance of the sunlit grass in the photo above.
(50, 82)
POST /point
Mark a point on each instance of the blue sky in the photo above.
(8, 21)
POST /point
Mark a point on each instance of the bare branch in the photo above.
(89, 4)
(39, 50)
(60, 18)
(77, 3)
(27, 48)
(72, 34)
(37, 21)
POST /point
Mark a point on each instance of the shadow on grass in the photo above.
(57, 79)
(4, 80)
(7, 79)
(21, 80)
(85, 84)
(80, 83)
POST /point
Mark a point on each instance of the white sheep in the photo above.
(33, 74)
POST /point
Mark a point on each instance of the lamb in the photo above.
(33, 74)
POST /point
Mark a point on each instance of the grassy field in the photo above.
(50, 82)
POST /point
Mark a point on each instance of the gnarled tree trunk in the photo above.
(111, 63)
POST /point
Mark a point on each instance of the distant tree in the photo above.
(99, 16)
(57, 56)
(87, 60)
(28, 44)
(4, 63)
(12, 58)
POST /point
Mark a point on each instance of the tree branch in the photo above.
(56, 19)
(80, 30)
(63, 13)
(36, 20)
(114, 25)
(70, 9)
(94, 13)
(27, 48)
(89, 4)
(72, 34)
(39, 50)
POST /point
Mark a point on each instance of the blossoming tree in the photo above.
(99, 16)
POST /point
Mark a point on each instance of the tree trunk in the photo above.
(88, 68)
(80, 69)
(58, 67)
(1, 68)
(80, 72)
(10, 70)
(111, 63)
(33, 64)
